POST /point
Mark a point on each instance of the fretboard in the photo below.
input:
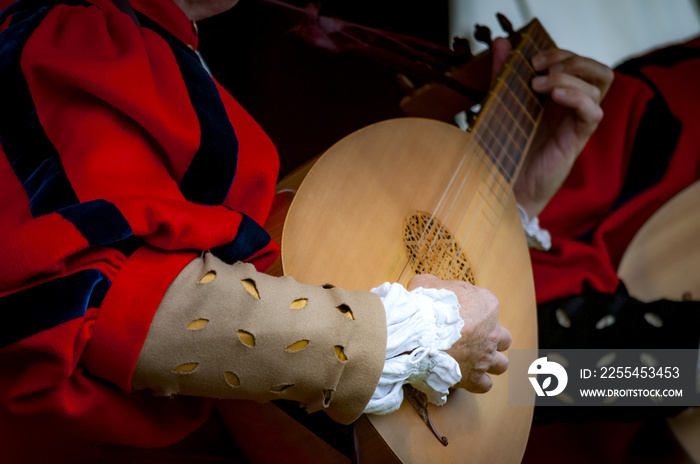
(511, 112)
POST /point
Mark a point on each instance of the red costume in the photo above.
(643, 153)
(121, 160)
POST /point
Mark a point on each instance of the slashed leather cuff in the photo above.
(228, 331)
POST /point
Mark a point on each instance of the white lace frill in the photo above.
(537, 237)
(421, 324)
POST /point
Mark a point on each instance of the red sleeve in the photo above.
(112, 101)
(574, 263)
(644, 152)
(95, 232)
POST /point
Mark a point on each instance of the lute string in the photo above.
(502, 165)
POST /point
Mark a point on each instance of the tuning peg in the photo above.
(462, 49)
(506, 25)
(483, 34)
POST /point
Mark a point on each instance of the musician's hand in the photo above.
(478, 352)
(576, 86)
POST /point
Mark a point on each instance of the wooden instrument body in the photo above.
(663, 258)
(663, 261)
(346, 226)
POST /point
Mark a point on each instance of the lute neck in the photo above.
(478, 191)
(511, 112)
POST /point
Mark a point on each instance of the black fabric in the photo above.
(654, 145)
(665, 57)
(630, 329)
(626, 328)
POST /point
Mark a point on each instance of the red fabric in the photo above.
(111, 100)
(588, 196)
(101, 140)
(127, 310)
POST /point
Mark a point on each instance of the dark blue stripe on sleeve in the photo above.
(32, 156)
(39, 308)
(100, 222)
(250, 239)
(210, 174)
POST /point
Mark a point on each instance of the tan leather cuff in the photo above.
(228, 331)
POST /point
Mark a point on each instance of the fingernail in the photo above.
(538, 82)
(559, 93)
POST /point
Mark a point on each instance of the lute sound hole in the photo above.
(432, 250)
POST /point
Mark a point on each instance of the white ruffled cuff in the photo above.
(421, 324)
(537, 237)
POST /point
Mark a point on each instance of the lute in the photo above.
(414, 195)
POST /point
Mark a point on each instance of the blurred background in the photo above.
(608, 31)
(307, 98)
